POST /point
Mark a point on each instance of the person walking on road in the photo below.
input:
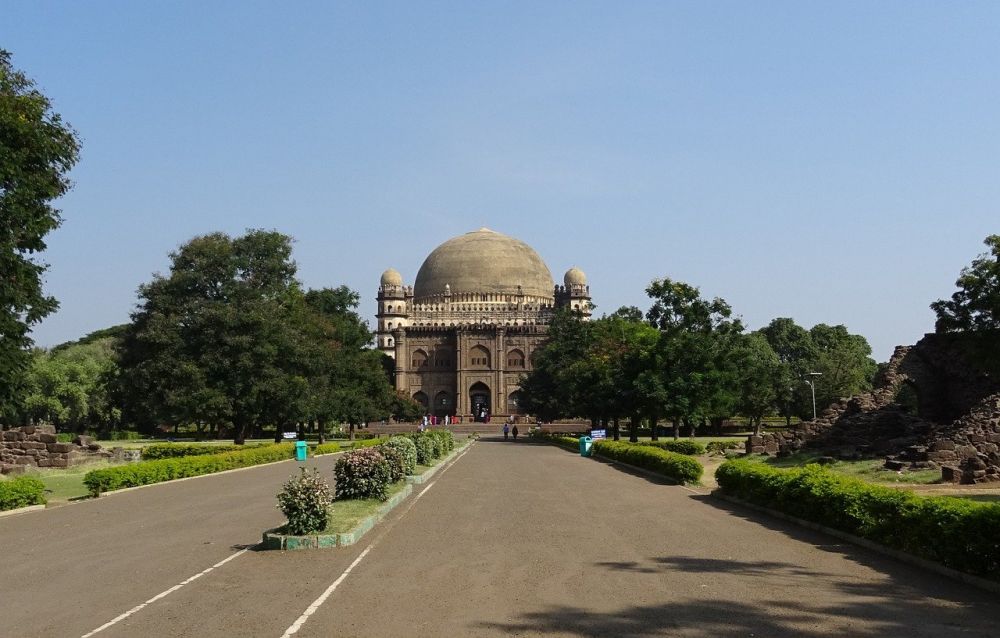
(506, 430)
(513, 431)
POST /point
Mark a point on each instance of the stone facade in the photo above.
(460, 348)
(36, 446)
(956, 426)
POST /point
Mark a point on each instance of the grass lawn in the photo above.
(982, 498)
(63, 485)
(345, 515)
(870, 470)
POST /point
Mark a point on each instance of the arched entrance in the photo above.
(422, 399)
(514, 403)
(444, 405)
(479, 399)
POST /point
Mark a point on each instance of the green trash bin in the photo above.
(585, 443)
(301, 450)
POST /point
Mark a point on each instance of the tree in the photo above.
(761, 377)
(37, 150)
(975, 306)
(797, 354)
(221, 338)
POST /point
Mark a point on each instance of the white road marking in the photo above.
(163, 594)
(316, 604)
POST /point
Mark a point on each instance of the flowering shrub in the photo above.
(426, 450)
(305, 501)
(445, 439)
(396, 462)
(364, 473)
(407, 451)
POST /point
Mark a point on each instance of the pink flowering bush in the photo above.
(305, 500)
(364, 473)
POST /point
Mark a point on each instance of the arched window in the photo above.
(421, 398)
(515, 359)
(419, 359)
(388, 341)
(479, 357)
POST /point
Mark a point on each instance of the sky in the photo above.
(833, 162)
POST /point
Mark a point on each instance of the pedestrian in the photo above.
(506, 431)
(513, 431)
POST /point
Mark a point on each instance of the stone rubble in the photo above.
(37, 446)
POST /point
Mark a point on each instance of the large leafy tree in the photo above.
(37, 150)
(975, 306)
(220, 338)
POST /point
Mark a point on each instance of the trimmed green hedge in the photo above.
(149, 472)
(680, 446)
(177, 450)
(325, 448)
(22, 491)
(363, 443)
(672, 465)
(961, 534)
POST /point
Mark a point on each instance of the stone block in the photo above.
(894, 465)
(46, 428)
(13, 435)
(32, 445)
(966, 451)
(23, 460)
(83, 440)
(11, 468)
(950, 474)
(44, 463)
(45, 437)
(28, 429)
(976, 438)
(58, 463)
(60, 447)
(938, 446)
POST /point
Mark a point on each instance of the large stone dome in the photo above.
(484, 261)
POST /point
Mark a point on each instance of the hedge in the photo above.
(325, 448)
(672, 465)
(176, 450)
(958, 533)
(363, 443)
(21, 492)
(680, 446)
(160, 470)
(364, 473)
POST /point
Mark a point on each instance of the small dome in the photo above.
(392, 277)
(575, 277)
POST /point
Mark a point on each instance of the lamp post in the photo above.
(812, 386)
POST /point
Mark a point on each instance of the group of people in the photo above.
(431, 420)
(509, 429)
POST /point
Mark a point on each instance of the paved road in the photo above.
(512, 539)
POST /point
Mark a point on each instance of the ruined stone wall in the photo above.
(37, 446)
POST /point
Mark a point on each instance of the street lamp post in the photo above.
(812, 386)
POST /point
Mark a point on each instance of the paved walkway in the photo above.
(512, 539)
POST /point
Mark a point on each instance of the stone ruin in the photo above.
(37, 446)
(956, 426)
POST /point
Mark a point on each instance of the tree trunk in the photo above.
(755, 422)
(239, 432)
(677, 429)
(633, 429)
(321, 428)
(616, 429)
(351, 437)
(654, 432)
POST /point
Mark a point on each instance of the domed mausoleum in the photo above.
(464, 333)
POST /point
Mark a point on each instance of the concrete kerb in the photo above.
(273, 540)
(916, 561)
(21, 510)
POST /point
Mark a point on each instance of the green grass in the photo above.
(870, 470)
(62, 485)
(982, 498)
(345, 515)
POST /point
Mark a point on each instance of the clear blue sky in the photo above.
(832, 162)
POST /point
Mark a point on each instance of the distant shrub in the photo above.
(160, 470)
(426, 448)
(305, 501)
(407, 450)
(680, 446)
(326, 448)
(397, 463)
(176, 450)
(121, 435)
(445, 438)
(720, 447)
(364, 473)
(679, 467)
(22, 491)
(369, 442)
(65, 437)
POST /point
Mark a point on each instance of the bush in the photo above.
(120, 435)
(961, 534)
(160, 470)
(425, 448)
(445, 438)
(325, 448)
(65, 437)
(305, 501)
(678, 467)
(367, 443)
(721, 447)
(177, 450)
(363, 473)
(407, 450)
(397, 464)
(680, 446)
(22, 491)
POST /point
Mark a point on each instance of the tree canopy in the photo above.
(37, 150)
(975, 306)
